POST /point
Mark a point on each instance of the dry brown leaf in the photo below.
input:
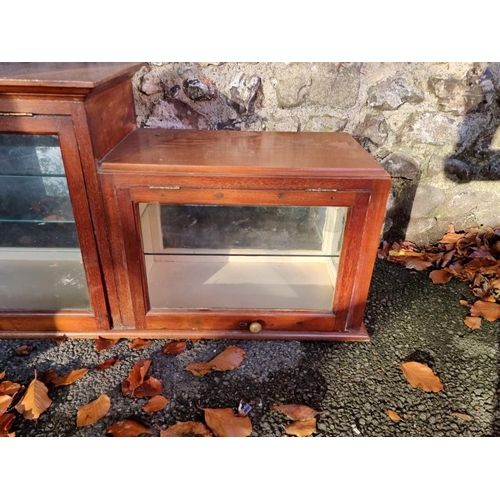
(128, 428)
(473, 323)
(5, 401)
(101, 344)
(103, 365)
(224, 423)
(296, 412)
(71, 377)
(174, 348)
(417, 264)
(465, 303)
(181, 429)
(462, 416)
(440, 276)
(421, 376)
(393, 415)
(59, 340)
(199, 369)
(139, 344)
(2, 375)
(136, 376)
(301, 428)
(48, 377)
(488, 310)
(227, 360)
(6, 421)
(149, 388)
(93, 412)
(156, 403)
(35, 400)
(24, 350)
(10, 388)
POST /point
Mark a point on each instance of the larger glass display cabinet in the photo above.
(56, 120)
(109, 230)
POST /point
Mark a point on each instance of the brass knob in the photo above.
(255, 327)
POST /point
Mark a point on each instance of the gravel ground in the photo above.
(352, 384)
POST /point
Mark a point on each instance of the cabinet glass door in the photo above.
(40, 260)
(241, 257)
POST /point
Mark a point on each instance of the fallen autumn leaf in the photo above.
(128, 428)
(103, 365)
(70, 377)
(156, 403)
(139, 344)
(6, 421)
(227, 360)
(421, 376)
(224, 423)
(301, 428)
(35, 400)
(393, 415)
(462, 416)
(174, 348)
(190, 428)
(296, 412)
(5, 401)
(93, 412)
(101, 344)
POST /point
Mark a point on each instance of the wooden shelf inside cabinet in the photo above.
(229, 234)
(56, 121)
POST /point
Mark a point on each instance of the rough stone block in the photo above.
(392, 93)
(374, 128)
(292, 85)
(401, 165)
(430, 128)
(335, 87)
(243, 92)
(427, 198)
(325, 124)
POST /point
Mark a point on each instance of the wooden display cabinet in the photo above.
(56, 120)
(110, 230)
(227, 234)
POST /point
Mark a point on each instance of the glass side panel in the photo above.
(244, 257)
(41, 265)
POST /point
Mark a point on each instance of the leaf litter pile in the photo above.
(472, 256)
(32, 401)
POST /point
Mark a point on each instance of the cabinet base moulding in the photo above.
(350, 336)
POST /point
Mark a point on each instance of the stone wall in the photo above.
(433, 126)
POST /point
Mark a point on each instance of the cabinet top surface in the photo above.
(77, 75)
(220, 152)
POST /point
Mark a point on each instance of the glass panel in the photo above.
(245, 257)
(41, 265)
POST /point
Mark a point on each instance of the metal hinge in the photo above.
(3, 113)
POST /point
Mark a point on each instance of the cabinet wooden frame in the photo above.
(97, 318)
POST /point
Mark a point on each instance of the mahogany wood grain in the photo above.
(110, 116)
(245, 154)
(62, 78)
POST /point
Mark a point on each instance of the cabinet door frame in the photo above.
(70, 320)
(212, 323)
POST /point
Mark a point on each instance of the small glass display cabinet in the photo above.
(227, 234)
(109, 230)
